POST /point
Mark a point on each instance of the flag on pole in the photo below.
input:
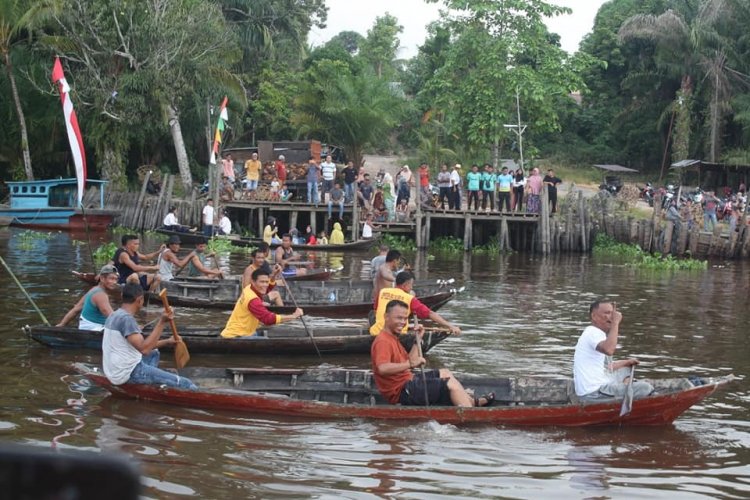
(71, 125)
(223, 118)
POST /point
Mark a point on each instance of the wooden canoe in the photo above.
(188, 238)
(318, 274)
(330, 299)
(281, 340)
(350, 246)
(343, 393)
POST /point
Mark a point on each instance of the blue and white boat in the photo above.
(52, 204)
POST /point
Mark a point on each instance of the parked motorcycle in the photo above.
(647, 194)
(667, 195)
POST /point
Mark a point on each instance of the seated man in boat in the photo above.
(403, 292)
(94, 306)
(171, 223)
(594, 373)
(249, 311)
(128, 259)
(392, 368)
(286, 256)
(385, 275)
(168, 262)
(128, 356)
(197, 264)
(259, 261)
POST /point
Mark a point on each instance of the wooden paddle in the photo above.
(181, 354)
(421, 367)
(302, 318)
(627, 401)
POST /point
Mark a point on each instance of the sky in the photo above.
(414, 15)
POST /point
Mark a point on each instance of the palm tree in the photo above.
(693, 50)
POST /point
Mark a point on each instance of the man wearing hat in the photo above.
(94, 306)
(168, 261)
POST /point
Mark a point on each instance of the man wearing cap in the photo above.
(454, 202)
(94, 306)
(168, 261)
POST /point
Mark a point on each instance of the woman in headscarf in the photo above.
(337, 235)
(389, 194)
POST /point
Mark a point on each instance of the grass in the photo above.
(402, 243)
(636, 257)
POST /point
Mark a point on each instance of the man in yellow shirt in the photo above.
(252, 169)
(402, 292)
(250, 312)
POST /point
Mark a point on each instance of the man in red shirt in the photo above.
(391, 367)
(281, 169)
(425, 197)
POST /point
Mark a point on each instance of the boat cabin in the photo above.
(53, 193)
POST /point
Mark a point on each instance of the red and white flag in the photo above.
(220, 125)
(71, 125)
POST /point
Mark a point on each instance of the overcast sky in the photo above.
(414, 15)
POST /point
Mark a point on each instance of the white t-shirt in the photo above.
(367, 231)
(208, 215)
(329, 170)
(589, 365)
(171, 220)
(226, 225)
(455, 178)
(119, 357)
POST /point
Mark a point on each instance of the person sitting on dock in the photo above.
(392, 368)
(249, 311)
(94, 306)
(259, 261)
(336, 197)
(197, 264)
(385, 276)
(286, 256)
(168, 262)
(403, 292)
(594, 374)
(127, 260)
(403, 213)
(171, 223)
(128, 356)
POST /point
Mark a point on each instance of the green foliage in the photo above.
(635, 257)
(28, 239)
(218, 245)
(447, 244)
(402, 243)
(381, 45)
(104, 253)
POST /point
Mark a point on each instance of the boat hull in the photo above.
(351, 246)
(60, 218)
(237, 392)
(278, 340)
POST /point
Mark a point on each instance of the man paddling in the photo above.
(128, 259)
(392, 365)
(259, 262)
(94, 306)
(286, 256)
(168, 262)
(403, 292)
(594, 373)
(249, 311)
(197, 264)
(128, 356)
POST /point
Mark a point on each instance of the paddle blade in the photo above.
(181, 354)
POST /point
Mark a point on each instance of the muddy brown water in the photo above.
(520, 314)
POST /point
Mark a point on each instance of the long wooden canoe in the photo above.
(343, 393)
(330, 299)
(281, 340)
(350, 246)
(317, 274)
(188, 238)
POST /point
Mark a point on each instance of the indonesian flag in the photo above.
(71, 125)
(223, 118)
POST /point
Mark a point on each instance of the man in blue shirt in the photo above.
(504, 181)
(473, 181)
(488, 187)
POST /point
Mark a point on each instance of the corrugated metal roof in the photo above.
(685, 163)
(616, 168)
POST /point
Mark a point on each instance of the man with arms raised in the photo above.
(128, 356)
(392, 365)
(403, 292)
(594, 373)
(249, 311)
(94, 306)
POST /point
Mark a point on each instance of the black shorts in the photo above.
(413, 392)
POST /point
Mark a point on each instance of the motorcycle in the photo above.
(667, 195)
(647, 194)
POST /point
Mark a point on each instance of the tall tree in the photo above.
(381, 45)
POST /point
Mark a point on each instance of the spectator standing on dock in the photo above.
(425, 197)
(519, 187)
(328, 169)
(454, 202)
(403, 180)
(365, 194)
(336, 197)
(534, 190)
(208, 218)
(488, 187)
(710, 204)
(389, 194)
(473, 181)
(350, 179)
(551, 180)
(252, 171)
(504, 182)
(227, 167)
(313, 173)
(280, 165)
(444, 185)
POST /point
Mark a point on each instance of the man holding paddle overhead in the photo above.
(128, 356)
(392, 365)
(594, 373)
(403, 292)
(249, 311)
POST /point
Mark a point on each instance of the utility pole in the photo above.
(518, 128)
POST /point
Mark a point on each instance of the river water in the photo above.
(520, 314)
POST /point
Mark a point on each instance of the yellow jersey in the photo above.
(242, 322)
(386, 295)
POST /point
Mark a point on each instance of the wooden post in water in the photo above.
(668, 230)
(168, 197)
(544, 221)
(581, 213)
(418, 235)
(468, 231)
(503, 238)
(427, 229)
(355, 219)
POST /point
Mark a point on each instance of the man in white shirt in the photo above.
(328, 169)
(225, 225)
(208, 218)
(594, 373)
